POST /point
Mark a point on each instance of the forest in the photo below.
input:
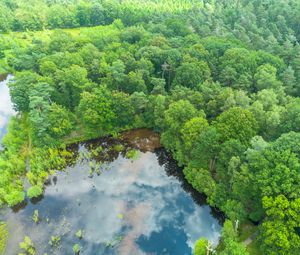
(218, 79)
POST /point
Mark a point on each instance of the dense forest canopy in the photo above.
(220, 80)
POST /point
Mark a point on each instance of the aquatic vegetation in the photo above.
(3, 237)
(95, 152)
(34, 191)
(35, 216)
(118, 147)
(133, 154)
(55, 241)
(27, 247)
(79, 234)
(114, 242)
(120, 216)
(76, 249)
(84, 155)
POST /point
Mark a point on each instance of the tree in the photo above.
(236, 123)
(200, 247)
(14, 197)
(191, 130)
(20, 89)
(123, 110)
(70, 82)
(175, 117)
(95, 110)
(60, 121)
(205, 151)
(234, 248)
(289, 81)
(265, 77)
(237, 65)
(190, 134)
(228, 231)
(39, 108)
(291, 116)
(229, 240)
(278, 231)
(134, 83)
(191, 74)
(200, 179)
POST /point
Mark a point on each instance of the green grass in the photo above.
(253, 248)
(246, 231)
(3, 237)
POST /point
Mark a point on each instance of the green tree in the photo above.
(177, 114)
(191, 74)
(279, 230)
(236, 123)
(20, 89)
(95, 110)
(200, 247)
(265, 77)
(291, 116)
(60, 121)
(234, 248)
(134, 83)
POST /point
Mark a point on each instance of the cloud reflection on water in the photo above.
(132, 199)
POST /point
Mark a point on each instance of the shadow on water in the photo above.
(172, 169)
(137, 206)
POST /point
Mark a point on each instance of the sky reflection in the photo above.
(133, 208)
(6, 110)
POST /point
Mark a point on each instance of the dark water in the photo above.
(133, 207)
(6, 110)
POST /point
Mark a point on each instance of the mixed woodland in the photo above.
(218, 79)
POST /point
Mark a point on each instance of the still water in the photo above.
(134, 207)
(6, 110)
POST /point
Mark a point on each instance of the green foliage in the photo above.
(34, 191)
(133, 154)
(79, 234)
(3, 237)
(234, 248)
(27, 246)
(35, 216)
(55, 241)
(76, 249)
(236, 123)
(175, 117)
(230, 242)
(218, 79)
(95, 110)
(191, 74)
(200, 247)
(14, 197)
(201, 180)
(278, 231)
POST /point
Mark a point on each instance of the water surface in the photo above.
(6, 109)
(133, 207)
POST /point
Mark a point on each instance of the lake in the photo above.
(128, 206)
